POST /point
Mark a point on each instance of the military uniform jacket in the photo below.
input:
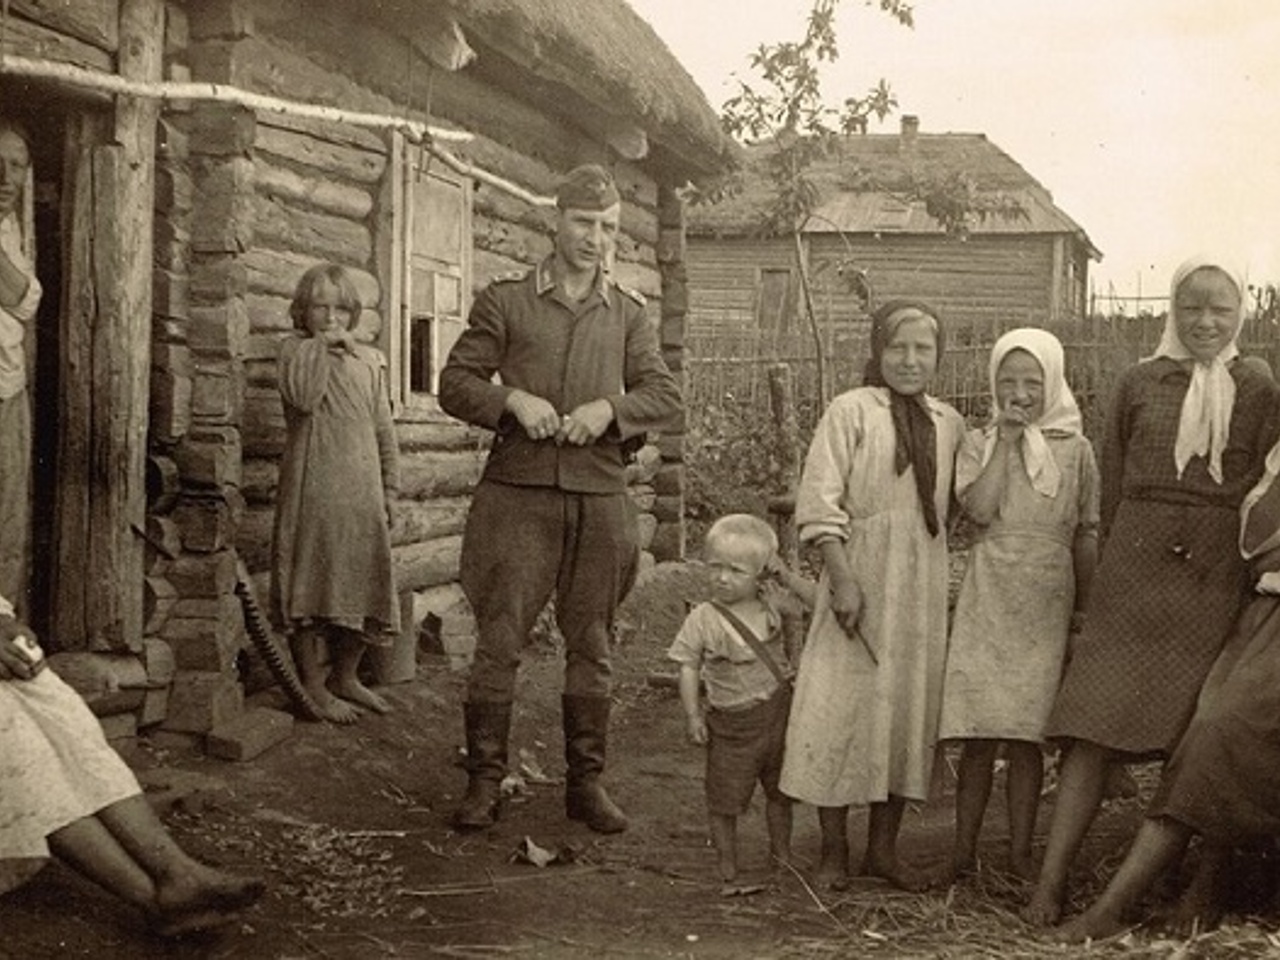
(524, 329)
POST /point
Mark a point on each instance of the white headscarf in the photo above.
(1060, 417)
(1206, 409)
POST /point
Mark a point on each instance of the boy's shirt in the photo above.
(734, 676)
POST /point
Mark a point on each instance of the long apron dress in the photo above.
(861, 730)
(1013, 614)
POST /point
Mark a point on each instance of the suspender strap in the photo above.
(752, 641)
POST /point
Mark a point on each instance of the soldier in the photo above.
(580, 378)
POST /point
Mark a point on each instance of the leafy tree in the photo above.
(786, 109)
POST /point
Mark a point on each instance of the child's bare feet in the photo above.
(1090, 925)
(355, 691)
(331, 708)
(1044, 909)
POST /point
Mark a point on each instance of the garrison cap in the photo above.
(588, 187)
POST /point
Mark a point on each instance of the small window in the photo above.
(434, 239)
(774, 312)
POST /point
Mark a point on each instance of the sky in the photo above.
(1155, 124)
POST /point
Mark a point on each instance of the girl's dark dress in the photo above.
(1171, 581)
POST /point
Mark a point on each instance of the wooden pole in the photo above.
(124, 178)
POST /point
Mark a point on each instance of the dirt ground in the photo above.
(350, 828)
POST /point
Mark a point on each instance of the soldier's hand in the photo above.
(586, 423)
(537, 416)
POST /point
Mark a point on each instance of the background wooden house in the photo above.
(1030, 269)
(192, 160)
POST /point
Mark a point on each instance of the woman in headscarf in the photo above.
(873, 498)
(1223, 781)
(1029, 482)
(1188, 432)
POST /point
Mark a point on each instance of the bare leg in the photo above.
(973, 789)
(126, 850)
(350, 650)
(882, 847)
(778, 817)
(1084, 774)
(833, 865)
(1022, 794)
(1158, 844)
(1200, 906)
(724, 834)
(309, 647)
(89, 847)
(182, 883)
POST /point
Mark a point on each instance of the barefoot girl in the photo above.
(1030, 483)
(332, 587)
(873, 497)
(1187, 436)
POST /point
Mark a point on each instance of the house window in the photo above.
(434, 271)
(774, 311)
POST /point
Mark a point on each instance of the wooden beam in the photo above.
(124, 174)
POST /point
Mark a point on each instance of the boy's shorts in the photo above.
(744, 748)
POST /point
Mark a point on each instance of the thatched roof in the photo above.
(849, 201)
(606, 65)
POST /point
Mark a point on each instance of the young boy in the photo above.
(748, 687)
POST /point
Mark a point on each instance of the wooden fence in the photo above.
(731, 369)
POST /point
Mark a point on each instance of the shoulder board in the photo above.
(635, 295)
(511, 276)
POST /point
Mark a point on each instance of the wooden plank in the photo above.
(75, 412)
(93, 21)
(125, 176)
(28, 39)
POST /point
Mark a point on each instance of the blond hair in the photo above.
(745, 527)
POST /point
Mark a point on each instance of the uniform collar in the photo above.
(545, 279)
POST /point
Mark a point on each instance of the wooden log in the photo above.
(424, 476)
(361, 164)
(268, 314)
(313, 192)
(276, 272)
(445, 434)
(224, 221)
(262, 425)
(27, 39)
(420, 565)
(417, 521)
(509, 240)
(285, 227)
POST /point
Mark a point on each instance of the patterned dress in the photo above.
(1171, 581)
(55, 768)
(1014, 611)
(1223, 779)
(861, 731)
(332, 551)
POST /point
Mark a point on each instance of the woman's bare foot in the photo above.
(832, 872)
(1090, 925)
(200, 887)
(190, 923)
(1044, 909)
(1023, 866)
(1195, 912)
(355, 691)
(904, 878)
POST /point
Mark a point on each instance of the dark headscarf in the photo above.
(915, 434)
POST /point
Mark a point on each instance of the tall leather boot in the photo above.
(586, 725)
(488, 726)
